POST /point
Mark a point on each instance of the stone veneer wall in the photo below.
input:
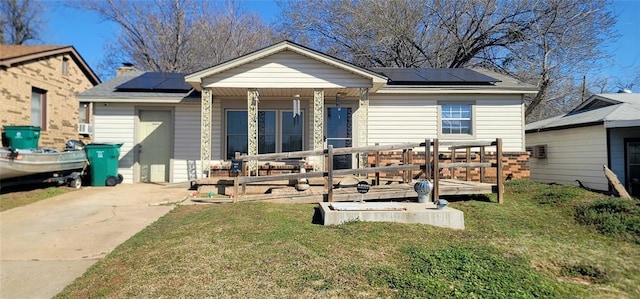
(515, 164)
(16, 83)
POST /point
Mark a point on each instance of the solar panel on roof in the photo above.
(438, 75)
(177, 83)
(151, 81)
(416, 76)
(468, 75)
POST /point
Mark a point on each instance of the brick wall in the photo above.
(16, 83)
(515, 164)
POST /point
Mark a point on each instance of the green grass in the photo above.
(21, 198)
(613, 217)
(530, 246)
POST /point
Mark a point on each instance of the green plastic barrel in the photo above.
(103, 163)
(22, 137)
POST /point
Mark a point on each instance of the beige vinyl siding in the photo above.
(500, 117)
(572, 154)
(410, 118)
(400, 119)
(286, 70)
(186, 146)
(115, 124)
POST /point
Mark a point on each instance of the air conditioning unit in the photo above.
(85, 129)
(540, 151)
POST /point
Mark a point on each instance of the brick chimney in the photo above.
(125, 68)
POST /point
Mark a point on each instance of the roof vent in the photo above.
(624, 90)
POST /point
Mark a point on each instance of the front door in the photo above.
(339, 127)
(632, 150)
(154, 145)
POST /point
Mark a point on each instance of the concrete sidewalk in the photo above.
(46, 245)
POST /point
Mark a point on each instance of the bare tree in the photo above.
(563, 40)
(543, 42)
(175, 35)
(230, 32)
(405, 33)
(19, 21)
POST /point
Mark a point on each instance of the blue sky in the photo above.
(88, 34)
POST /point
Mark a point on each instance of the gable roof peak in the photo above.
(12, 55)
(195, 79)
(607, 99)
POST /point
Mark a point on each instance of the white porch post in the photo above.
(205, 132)
(318, 127)
(252, 125)
(363, 125)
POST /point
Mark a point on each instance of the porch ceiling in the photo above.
(284, 92)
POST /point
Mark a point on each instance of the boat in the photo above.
(25, 162)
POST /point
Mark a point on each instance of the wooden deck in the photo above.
(397, 191)
(326, 190)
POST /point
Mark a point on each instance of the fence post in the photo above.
(427, 159)
(403, 161)
(377, 163)
(499, 178)
(482, 158)
(436, 170)
(468, 161)
(453, 160)
(409, 162)
(236, 181)
(330, 173)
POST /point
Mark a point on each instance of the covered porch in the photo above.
(280, 99)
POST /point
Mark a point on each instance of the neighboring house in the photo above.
(603, 130)
(38, 87)
(173, 126)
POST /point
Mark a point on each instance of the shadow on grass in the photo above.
(26, 187)
(317, 216)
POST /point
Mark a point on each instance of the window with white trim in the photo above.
(456, 119)
(39, 108)
(65, 66)
(83, 113)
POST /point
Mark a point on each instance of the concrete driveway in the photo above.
(46, 245)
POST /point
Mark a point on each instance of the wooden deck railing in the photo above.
(429, 170)
(467, 146)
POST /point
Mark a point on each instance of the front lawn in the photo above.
(531, 246)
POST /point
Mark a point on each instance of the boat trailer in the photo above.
(71, 178)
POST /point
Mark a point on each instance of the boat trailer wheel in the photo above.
(76, 183)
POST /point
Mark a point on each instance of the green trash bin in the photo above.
(22, 137)
(103, 163)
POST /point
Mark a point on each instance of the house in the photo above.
(603, 130)
(38, 87)
(288, 97)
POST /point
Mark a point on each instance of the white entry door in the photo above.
(154, 137)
